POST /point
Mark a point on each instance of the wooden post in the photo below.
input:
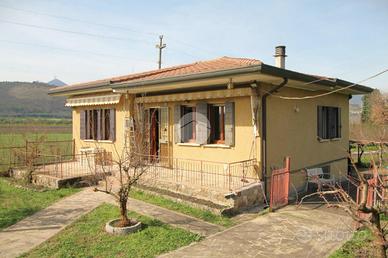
(60, 161)
(25, 155)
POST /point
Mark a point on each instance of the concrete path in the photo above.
(289, 232)
(34, 230)
(37, 228)
(174, 218)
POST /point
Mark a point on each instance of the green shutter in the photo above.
(229, 124)
(202, 126)
(177, 124)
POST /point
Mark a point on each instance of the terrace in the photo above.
(200, 178)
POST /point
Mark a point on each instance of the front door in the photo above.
(154, 133)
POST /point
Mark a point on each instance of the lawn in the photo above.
(183, 208)
(360, 245)
(17, 203)
(86, 238)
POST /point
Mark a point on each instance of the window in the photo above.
(205, 123)
(329, 122)
(91, 124)
(216, 117)
(188, 116)
(98, 124)
(104, 124)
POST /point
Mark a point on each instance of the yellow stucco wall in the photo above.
(292, 131)
(107, 145)
(243, 147)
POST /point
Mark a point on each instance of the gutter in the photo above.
(264, 130)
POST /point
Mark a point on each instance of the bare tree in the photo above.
(122, 171)
(362, 211)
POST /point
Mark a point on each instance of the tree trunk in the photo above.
(124, 221)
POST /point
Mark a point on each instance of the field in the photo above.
(14, 132)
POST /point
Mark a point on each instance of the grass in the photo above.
(360, 245)
(19, 139)
(87, 238)
(183, 208)
(17, 203)
(44, 121)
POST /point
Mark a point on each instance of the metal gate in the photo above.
(373, 186)
(280, 182)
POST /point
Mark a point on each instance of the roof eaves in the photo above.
(81, 88)
(328, 82)
(188, 77)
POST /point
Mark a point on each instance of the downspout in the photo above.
(264, 130)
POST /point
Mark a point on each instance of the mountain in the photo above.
(56, 82)
(356, 99)
(30, 99)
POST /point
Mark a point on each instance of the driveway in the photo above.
(308, 231)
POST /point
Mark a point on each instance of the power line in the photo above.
(327, 93)
(79, 20)
(179, 41)
(70, 31)
(75, 50)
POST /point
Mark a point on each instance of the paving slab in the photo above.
(289, 232)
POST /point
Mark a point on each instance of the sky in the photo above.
(83, 40)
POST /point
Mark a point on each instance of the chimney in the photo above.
(280, 56)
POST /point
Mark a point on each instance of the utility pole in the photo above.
(160, 46)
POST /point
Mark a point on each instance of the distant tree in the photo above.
(365, 108)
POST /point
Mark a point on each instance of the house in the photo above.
(223, 110)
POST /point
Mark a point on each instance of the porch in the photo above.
(208, 180)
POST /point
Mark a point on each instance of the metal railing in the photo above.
(68, 166)
(18, 156)
(202, 173)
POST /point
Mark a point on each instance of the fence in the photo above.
(376, 195)
(68, 166)
(201, 173)
(33, 151)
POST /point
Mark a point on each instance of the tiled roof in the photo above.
(223, 63)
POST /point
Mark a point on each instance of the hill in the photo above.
(30, 99)
(56, 82)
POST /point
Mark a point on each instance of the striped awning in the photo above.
(93, 100)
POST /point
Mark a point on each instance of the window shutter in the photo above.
(112, 124)
(339, 123)
(229, 123)
(177, 124)
(202, 127)
(99, 124)
(82, 124)
(319, 122)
